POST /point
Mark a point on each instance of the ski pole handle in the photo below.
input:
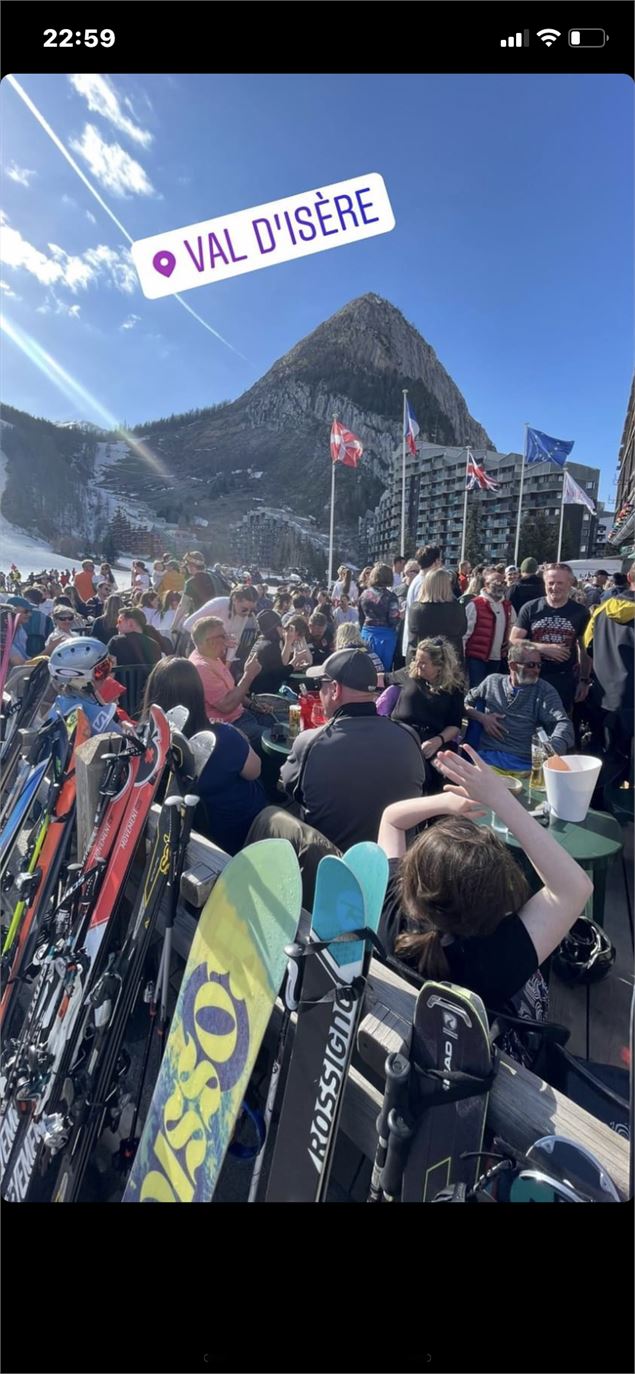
(397, 1077)
(399, 1137)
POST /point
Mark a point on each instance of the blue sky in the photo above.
(512, 252)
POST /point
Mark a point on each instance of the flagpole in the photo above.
(467, 463)
(520, 495)
(403, 480)
(332, 524)
(561, 518)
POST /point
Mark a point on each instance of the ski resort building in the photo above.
(435, 488)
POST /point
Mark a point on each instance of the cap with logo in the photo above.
(352, 668)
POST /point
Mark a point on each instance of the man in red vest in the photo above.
(490, 617)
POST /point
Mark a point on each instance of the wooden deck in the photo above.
(598, 1016)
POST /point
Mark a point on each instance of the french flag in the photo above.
(411, 429)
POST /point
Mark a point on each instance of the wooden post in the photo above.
(89, 772)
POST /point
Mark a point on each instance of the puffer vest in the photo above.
(479, 645)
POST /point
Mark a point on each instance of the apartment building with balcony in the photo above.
(435, 489)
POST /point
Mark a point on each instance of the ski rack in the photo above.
(522, 1107)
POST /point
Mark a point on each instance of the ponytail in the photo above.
(426, 951)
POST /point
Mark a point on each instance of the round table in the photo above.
(591, 843)
(275, 747)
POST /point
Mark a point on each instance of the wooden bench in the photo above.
(521, 1106)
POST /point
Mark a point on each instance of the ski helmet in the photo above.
(202, 745)
(586, 954)
(79, 662)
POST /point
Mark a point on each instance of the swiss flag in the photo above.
(346, 448)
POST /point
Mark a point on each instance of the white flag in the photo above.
(573, 495)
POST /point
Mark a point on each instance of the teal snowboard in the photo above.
(233, 975)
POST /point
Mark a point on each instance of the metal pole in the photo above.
(332, 526)
(467, 462)
(561, 521)
(402, 550)
(520, 496)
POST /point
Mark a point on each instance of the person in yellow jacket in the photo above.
(609, 639)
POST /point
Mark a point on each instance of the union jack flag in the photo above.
(477, 477)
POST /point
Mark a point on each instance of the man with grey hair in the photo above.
(508, 709)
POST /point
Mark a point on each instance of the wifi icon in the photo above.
(548, 36)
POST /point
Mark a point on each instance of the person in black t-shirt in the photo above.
(136, 653)
(555, 624)
(431, 699)
(457, 905)
(199, 588)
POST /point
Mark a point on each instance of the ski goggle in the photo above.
(104, 669)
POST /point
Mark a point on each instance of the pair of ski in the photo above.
(72, 957)
(236, 966)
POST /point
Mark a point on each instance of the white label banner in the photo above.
(277, 232)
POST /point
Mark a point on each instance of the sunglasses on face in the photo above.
(64, 619)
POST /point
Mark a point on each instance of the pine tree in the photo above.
(474, 530)
(538, 538)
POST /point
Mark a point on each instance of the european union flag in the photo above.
(541, 448)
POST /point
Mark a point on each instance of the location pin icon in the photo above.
(164, 262)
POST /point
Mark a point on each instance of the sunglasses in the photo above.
(64, 619)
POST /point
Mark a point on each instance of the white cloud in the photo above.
(20, 174)
(111, 165)
(92, 219)
(101, 264)
(130, 322)
(117, 266)
(52, 305)
(102, 99)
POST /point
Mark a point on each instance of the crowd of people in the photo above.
(413, 667)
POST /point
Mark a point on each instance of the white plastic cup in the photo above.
(569, 794)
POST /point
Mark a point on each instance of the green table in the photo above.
(280, 748)
(591, 842)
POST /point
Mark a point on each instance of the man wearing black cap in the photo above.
(343, 774)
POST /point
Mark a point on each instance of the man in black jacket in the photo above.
(341, 776)
(529, 587)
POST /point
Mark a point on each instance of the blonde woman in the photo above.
(436, 612)
(349, 636)
(431, 700)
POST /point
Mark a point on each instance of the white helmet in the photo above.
(202, 745)
(79, 662)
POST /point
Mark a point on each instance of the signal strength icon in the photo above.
(516, 40)
(548, 36)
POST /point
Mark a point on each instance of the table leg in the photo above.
(599, 870)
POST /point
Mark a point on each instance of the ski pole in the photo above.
(397, 1077)
(292, 1001)
(399, 1137)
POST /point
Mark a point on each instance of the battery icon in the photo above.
(587, 38)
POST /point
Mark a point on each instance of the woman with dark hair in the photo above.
(231, 795)
(105, 626)
(458, 907)
(345, 586)
(379, 614)
(431, 698)
(169, 605)
(274, 649)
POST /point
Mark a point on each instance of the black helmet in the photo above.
(586, 954)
